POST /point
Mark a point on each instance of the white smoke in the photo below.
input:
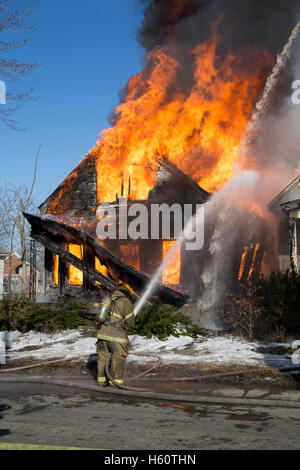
(277, 134)
(262, 105)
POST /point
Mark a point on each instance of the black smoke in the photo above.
(243, 26)
(242, 23)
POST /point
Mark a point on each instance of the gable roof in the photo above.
(186, 181)
(75, 183)
(290, 193)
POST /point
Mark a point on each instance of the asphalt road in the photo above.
(55, 416)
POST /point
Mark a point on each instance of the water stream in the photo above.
(186, 234)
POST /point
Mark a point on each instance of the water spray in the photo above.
(261, 106)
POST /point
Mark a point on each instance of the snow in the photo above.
(73, 344)
(34, 338)
(217, 349)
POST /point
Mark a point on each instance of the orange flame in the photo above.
(75, 275)
(201, 133)
(253, 261)
(55, 269)
(250, 251)
(171, 274)
(100, 267)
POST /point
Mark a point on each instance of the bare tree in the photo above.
(22, 196)
(244, 312)
(14, 229)
(12, 23)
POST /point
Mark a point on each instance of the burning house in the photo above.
(177, 138)
(76, 261)
(75, 258)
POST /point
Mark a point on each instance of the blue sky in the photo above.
(87, 51)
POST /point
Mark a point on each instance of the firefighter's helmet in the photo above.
(123, 285)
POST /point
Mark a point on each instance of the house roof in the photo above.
(68, 185)
(184, 180)
(289, 194)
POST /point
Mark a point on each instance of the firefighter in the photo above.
(112, 334)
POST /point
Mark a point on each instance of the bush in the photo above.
(244, 312)
(163, 321)
(281, 301)
(270, 308)
(20, 313)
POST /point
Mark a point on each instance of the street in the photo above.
(56, 416)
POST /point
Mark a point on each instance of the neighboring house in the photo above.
(286, 207)
(17, 274)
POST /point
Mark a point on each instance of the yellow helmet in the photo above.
(125, 286)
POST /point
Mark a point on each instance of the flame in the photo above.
(254, 260)
(200, 131)
(55, 269)
(171, 273)
(253, 252)
(243, 261)
(100, 267)
(75, 275)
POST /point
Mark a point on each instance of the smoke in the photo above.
(277, 142)
(244, 25)
(242, 22)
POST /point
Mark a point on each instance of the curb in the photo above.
(12, 446)
(262, 402)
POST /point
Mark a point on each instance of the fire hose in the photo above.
(31, 366)
(150, 370)
(181, 379)
(124, 387)
(142, 374)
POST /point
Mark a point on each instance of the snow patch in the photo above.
(72, 344)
